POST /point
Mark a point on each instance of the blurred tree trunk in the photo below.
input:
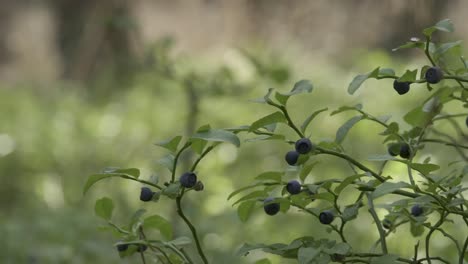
(96, 37)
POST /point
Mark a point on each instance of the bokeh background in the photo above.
(88, 84)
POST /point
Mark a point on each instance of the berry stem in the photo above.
(288, 118)
(462, 253)
(383, 242)
(195, 164)
(426, 50)
(176, 159)
(191, 226)
(428, 237)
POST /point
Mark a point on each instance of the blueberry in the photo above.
(405, 151)
(401, 87)
(386, 223)
(326, 217)
(146, 194)
(293, 187)
(434, 75)
(416, 210)
(142, 248)
(303, 146)
(292, 157)
(393, 149)
(271, 208)
(122, 247)
(188, 179)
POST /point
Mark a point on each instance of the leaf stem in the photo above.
(383, 242)
(176, 159)
(191, 227)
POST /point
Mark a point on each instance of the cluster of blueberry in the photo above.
(433, 75)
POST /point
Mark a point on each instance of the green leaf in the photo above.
(133, 172)
(252, 195)
(350, 212)
(346, 108)
(416, 229)
(310, 118)
(386, 259)
(340, 248)
(198, 145)
(243, 189)
(347, 182)
(97, 177)
(180, 241)
(218, 135)
(270, 175)
(359, 80)
(410, 45)
(276, 117)
(159, 223)
(383, 157)
(388, 187)
(263, 261)
(303, 86)
(445, 47)
(386, 72)
(306, 169)
(408, 76)
(167, 161)
(305, 255)
(170, 144)
(417, 117)
(344, 129)
(172, 191)
(103, 208)
(245, 209)
(324, 196)
(444, 25)
(424, 168)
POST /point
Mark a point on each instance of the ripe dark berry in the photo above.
(386, 223)
(292, 157)
(401, 87)
(405, 151)
(188, 179)
(271, 208)
(434, 75)
(326, 217)
(142, 248)
(393, 149)
(416, 210)
(303, 146)
(122, 247)
(146, 194)
(466, 121)
(293, 187)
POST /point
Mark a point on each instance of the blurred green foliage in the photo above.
(52, 138)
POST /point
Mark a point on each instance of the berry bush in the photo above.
(430, 196)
